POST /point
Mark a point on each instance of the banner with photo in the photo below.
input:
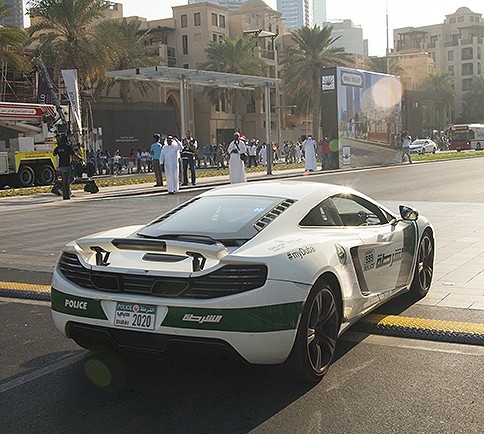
(70, 81)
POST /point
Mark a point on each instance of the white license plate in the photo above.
(135, 316)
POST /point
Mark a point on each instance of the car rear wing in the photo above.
(199, 252)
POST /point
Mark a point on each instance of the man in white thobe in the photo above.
(169, 158)
(309, 153)
(236, 165)
(263, 155)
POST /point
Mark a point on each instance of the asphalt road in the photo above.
(376, 384)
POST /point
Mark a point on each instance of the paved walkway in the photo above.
(459, 263)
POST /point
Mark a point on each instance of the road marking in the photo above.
(24, 286)
(41, 372)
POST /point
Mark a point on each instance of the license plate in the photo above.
(135, 316)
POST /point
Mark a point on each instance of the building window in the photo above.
(434, 39)
(184, 21)
(467, 69)
(214, 20)
(186, 66)
(451, 70)
(214, 37)
(452, 21)
(460, 19)
(467, 53)
(185, 44)
(221, 21)
(450, 55)
(197, 20)
(471, 19)
(466, 84)
(220, 38)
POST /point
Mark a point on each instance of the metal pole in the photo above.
(183, 107)
(268, 128)
(279, 121)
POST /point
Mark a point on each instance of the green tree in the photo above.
(234, 57)
(125, 48)
(65, 35)
(303, 65)
(440, 84)
(474, 101)
(379, 64)
(12, 40)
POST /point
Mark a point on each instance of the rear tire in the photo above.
(315, 343)
(25, 176)
(422, 276)
(44, 174)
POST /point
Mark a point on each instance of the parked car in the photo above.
(423, 146)
(271, 272)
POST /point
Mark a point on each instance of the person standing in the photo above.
(406, 146)
(309, 153)
(326, 153)
(252, 153)
(263, 154)
(236, 165)
(298, 153)
(169, 158)
(188, 158)
(65, 152)
(155, 152)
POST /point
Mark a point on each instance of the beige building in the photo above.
(181, 40)
(455, 46)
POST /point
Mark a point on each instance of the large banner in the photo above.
(361, 116)
(70, 80)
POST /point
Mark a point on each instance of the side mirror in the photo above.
(407, 213)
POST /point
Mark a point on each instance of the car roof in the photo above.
(296, 190)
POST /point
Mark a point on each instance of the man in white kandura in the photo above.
(309, 146)
(169, 158)
(236, 165)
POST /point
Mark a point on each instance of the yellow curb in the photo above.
(24, 286)
(421, 323)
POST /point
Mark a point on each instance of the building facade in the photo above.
(297, 13)
(350, 37)
(17, 11)
(455, 46)
(231, 4)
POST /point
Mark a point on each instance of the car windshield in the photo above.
(222, 218)
(418, 142)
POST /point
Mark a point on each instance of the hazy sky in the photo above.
(370, 15)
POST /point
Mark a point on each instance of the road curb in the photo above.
(419, 328)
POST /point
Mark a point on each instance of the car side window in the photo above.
(322, 214)
(356, 211)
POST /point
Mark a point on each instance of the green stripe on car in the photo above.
(78, 306)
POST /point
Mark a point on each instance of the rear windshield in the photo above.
(218, 217)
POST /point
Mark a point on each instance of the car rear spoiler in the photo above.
(199, 252)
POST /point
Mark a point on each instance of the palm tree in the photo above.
(474, 100)
(125, 49)
(234, 57)
(440, 83)
(303, 65)
(379, 64)
(12, 40)
(65, 35)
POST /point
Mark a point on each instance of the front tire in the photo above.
(422, 277)
(25, 176)
(315, 343)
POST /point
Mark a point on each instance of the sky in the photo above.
(370, 15)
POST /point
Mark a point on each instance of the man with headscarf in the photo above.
(309, 153)
(236, 165)
(169, 158)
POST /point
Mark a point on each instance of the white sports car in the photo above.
(272, 272)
